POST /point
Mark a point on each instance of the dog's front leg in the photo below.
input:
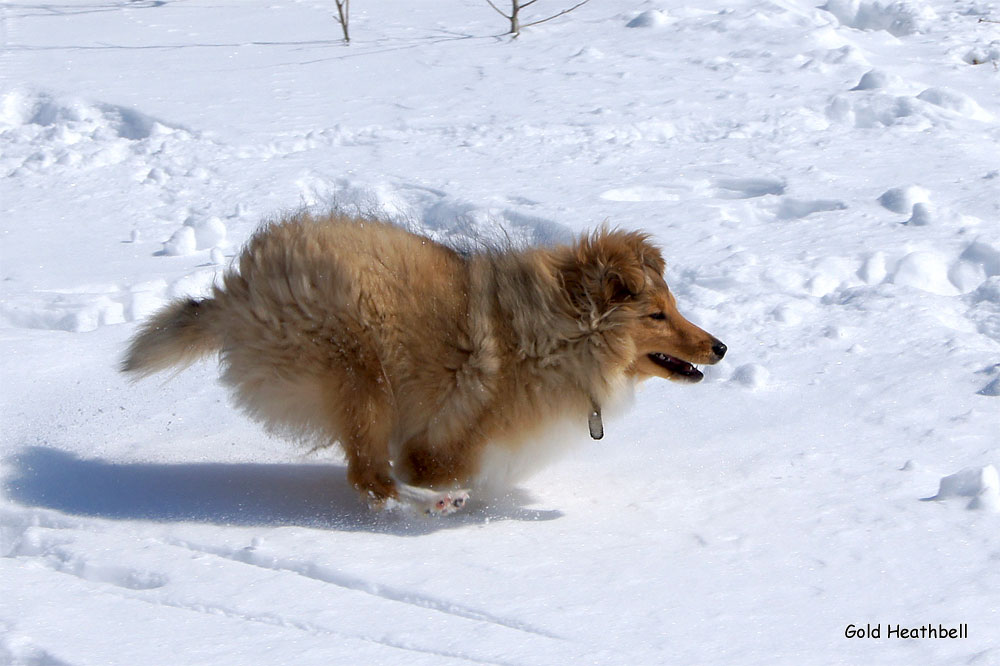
(428, 468)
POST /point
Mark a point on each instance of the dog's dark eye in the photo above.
(658, 316)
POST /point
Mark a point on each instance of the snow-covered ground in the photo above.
(825, 183)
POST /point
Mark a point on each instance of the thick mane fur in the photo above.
(568, 307)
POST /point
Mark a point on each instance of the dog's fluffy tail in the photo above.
(177, 335)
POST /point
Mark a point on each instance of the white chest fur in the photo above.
(513, 459)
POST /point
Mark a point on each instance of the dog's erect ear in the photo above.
(624, 278)
(625, 258)
(607, 268)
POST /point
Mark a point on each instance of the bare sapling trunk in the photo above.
(515, 14)
(344, 18)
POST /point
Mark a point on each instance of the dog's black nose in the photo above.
(719, 349)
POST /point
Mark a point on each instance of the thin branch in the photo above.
(555, 16)
(527, 4)
(986, 20)
(498, 10)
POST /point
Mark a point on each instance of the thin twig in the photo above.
(498, 10)
(554, 16)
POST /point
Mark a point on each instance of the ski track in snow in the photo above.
(823, 180)
(312, 629)
(62, 546)
(327, 575)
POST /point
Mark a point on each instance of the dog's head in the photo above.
(615, 278)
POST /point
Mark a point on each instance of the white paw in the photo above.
(432, 502)
(448, 502)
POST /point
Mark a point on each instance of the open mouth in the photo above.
(676, 366)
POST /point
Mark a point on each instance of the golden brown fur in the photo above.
(414, 356)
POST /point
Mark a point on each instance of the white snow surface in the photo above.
(825, 183)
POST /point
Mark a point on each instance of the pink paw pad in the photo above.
(447, 502)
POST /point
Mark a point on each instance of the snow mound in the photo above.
(982, 54)
(966, 276)
(985, 307)
(989, 291)
(209, 232)
(952, 100)
(981, 484)
(924, 270)
(902, 199)
(90, 307)
(983, 254)
(17, 650)
(455, 222)
(869, 106)
(751, 375)
(19, 108)
(873, 270)
(76, 313)
(651, 18)
(877, 109)
(42, 132)
(183, 241)
(897, 18)
(877, 79)
(979, 262)
(924, 213)
(991, 389)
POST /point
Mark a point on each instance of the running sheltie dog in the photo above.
(431, 367)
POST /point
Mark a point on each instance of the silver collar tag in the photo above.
(595, 423)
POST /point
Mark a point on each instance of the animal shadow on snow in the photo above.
(244, 494)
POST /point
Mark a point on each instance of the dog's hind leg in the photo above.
(368, 472)
(363, 425)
